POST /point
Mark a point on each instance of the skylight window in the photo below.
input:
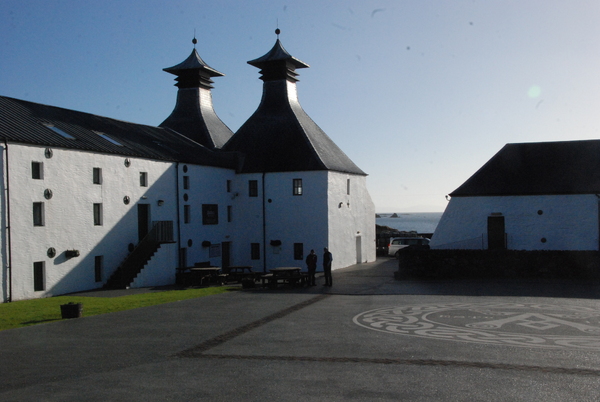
(59, 131)
(107, 138)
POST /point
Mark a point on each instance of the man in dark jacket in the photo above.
(327, 258)
(311, 263)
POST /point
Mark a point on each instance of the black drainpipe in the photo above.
(9, 267)
(178, 217)
(264, 225)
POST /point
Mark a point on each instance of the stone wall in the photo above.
(486, 264)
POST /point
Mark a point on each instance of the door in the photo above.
(225, 254)
(496, 233)
(358, 249)
(143, 220)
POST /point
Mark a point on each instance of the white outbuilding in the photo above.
(529, 196)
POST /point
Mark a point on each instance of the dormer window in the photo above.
(107, 138)
(59, 131)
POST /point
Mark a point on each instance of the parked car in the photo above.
(399, 243)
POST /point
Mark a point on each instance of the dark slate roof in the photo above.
(280, 136)
(193, 62)
(544, 168)
(23, 122)
(277, 53)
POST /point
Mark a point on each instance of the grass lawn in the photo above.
(29, 312)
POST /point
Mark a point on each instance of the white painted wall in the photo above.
(567, 222)
(351, 220)
(69, 217)
(208, 185)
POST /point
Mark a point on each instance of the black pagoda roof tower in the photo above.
(280, 136)
(194, 115)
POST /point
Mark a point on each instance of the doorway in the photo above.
(496, 233)
(143, 220)
(225, 254)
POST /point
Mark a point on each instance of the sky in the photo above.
(418, 93)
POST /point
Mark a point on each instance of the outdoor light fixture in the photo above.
(160, 202)
(206, 243)
(72, 253)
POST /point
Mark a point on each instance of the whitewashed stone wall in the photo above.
(69, 217)
(351, 220)
(566, 222)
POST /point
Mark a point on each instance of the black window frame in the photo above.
(143, 179)
(187, 214)
(297, 186)
(210, 214)
(229, 186)
(255, 251)
(37, 170)
(98, 214)
(98, 267)
(253, 188)
(39, 268)
(298, 251)
(186, 182)
(39, 215)
(229, 213)
(97, 175)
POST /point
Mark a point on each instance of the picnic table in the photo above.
(204, 274)
(289, 275)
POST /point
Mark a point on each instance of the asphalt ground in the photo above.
(367, 338)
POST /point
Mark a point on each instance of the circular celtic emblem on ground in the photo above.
(515, 324)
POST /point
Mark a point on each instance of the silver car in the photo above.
(398, 243)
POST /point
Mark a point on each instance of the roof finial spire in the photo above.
(277, 31)
(194, 41)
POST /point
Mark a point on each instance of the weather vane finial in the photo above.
(277, 31)
(194, 41)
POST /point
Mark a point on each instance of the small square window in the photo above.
(186, 182)
(37, 170)
(253, 188)
(298, 251)
(38, 276)
(97, 175)
(97, 214)
(38, 214)
(255, 251)
(187, 214)
(229, 186)
(297, 186)
(210, 214)
(229, 213)
(143, 179)
(98, 264)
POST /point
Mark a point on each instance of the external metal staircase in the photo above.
(161, 233)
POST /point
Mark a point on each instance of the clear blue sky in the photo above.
(420, 94)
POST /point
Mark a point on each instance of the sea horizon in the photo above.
(421, 222)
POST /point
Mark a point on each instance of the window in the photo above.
(255, 251)
(187, 214)
(348, 186)
(210, 214)
(37, 170)
(59, 131)
(229, 213)
(186, 182)
(38, 276)
(97, 214)
(298, 251)
(107, 138)
(253, 188)
(143, 179)
(98, 263)
(229, 186)
(297, 186)
(97, 175)
(38, 214)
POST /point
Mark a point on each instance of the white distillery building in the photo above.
(91, 202)
(531, 196)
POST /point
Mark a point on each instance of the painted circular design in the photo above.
(515, 324)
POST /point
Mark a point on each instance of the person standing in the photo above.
(327, 258)
(311, 263)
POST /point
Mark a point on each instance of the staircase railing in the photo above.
(161, 232)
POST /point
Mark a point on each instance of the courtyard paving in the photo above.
(368, 338)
